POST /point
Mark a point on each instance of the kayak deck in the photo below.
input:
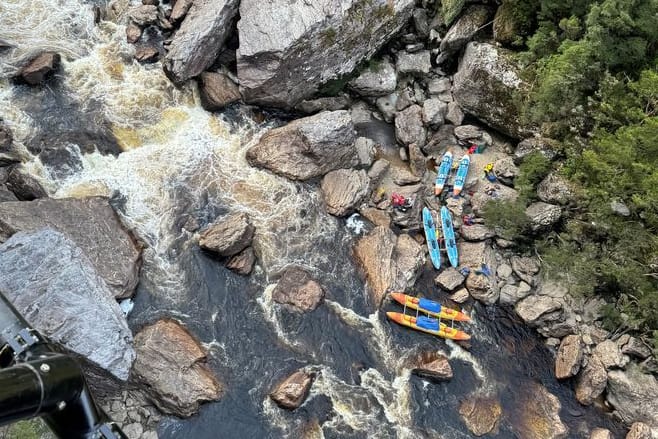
(430, 307)
(428, 325)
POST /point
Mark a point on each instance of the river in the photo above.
(110, 126)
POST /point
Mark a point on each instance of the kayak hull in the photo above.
(430, 236)
(462, 173)
(444, 171)
(444, 331)
(444, 312)
(449, 237)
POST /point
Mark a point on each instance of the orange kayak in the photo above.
(428, 325)
(430, 307)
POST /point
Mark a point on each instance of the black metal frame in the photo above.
(38, 380)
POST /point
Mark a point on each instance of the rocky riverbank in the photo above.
(437, 82)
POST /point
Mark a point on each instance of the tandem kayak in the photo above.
(444, 171)
(430, 236)
(462, 173)
(449, 236)
(428, 325)
(430, 307)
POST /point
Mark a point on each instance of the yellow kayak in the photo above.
(430, 307)
(428, 325)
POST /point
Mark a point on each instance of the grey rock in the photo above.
(417, 161)
(92, 225)
(455, 115)
(405, 98)
(421, 22)
(217, 90)
(543, 215)
(414, 63)
(441, 140)
(533, 309)
(510, 294)
(144, 15)
(555, 189)
(343, 190)
(299, 289)
(601, 433)
(376, 173)
(243, 262)
(413, 48)
(610, 355)
(549, 148)
(133, 430)
(365, 150)
(288, 49)
(524, 288)
(486, 71)
(482, 288)
(409, 126)
(330, 103)
(292, 392)
(525, 268)
(469, 132)
(504, 271)
(636, 348)
(402, 177)
(634, 395)
(376, 216)
(505, 169)
(460, 296)
(228, 235)
(456, 205)
(133, 33)
(389, 262)
(172, 365)
(437, 86)
(449, 279)
(464, 29)
(569, 357)
(591, 381)
(199, 39)
(476, 232)
(6, 194)
(38, 69)
(25, 186)
(619, 208)
(434, 112)
(378, 80)
(9, 153)
(639, 430)
(387, 106)
(55, 286)
(554, 290)
(361, 113)
(489, 192)
(180, 9)
(308, 147)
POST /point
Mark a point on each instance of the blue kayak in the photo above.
(444, 171)
(430, 236)
(449, 236)
(462, 173)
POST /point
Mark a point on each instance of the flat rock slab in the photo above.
(171, 363)
(343, 190)
(52, 282)
(480, 414)
(92, 225)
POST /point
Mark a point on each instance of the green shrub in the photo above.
(508, 219)
(532, 171)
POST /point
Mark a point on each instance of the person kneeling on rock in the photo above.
(400, 202)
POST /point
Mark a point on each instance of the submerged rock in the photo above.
(171, 364)
(92, 225)
(53, 284)
(288, 49)
(432, 366)
(539, 414)
(388, 261)
(568, 358)
(202, 34)
(292, 392)
(308, 147)
(480, 414)
(343, 190)
(40, 68)
(217, 91)
(486, 86)
(298, 288)
(634, 395)
(228, 235)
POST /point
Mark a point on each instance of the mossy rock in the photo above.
(450, 10)
(32, 429)
(505, 26)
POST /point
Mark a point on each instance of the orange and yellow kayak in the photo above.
(428, 325)
(430, 307)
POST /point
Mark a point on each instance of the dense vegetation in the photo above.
(593, 67)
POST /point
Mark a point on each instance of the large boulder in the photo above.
(525, 268)
(474, 255)
(464, 29)
(52, 282)
(480, 414)
(539, 414)
(92, 225)
(536, 310)
(377, 80)
(343, 190)
(634, 395)
(228, 235)
(610, 354)
(409, 126)
(308, 147)
(172, 365)
(543, 215)
(291, 392)
(288, 49)
(591, 381)
(202, 34)
(449, 279)
(568, 358)
(388, 261)
(549, 148)
(298, 289)
(555, 189)
(487, 85)
(217, 90)
(40, 68)
(432, 366)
